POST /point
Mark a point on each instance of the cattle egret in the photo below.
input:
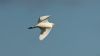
(44, 25)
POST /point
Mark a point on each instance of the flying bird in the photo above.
(44, 25)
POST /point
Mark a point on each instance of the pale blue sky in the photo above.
(77, 30)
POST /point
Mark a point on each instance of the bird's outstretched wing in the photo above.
(43, 19)
(44, 33)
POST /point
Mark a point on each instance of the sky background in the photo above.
(76, 32)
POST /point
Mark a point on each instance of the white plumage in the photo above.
(44, 25)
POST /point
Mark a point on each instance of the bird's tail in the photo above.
(32, 27)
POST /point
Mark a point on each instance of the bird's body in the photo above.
(44, 25)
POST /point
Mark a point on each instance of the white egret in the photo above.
(44, 25)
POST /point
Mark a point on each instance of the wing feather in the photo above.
(43, 19)
(44, 33)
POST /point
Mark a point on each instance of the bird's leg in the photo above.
(32, 27)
